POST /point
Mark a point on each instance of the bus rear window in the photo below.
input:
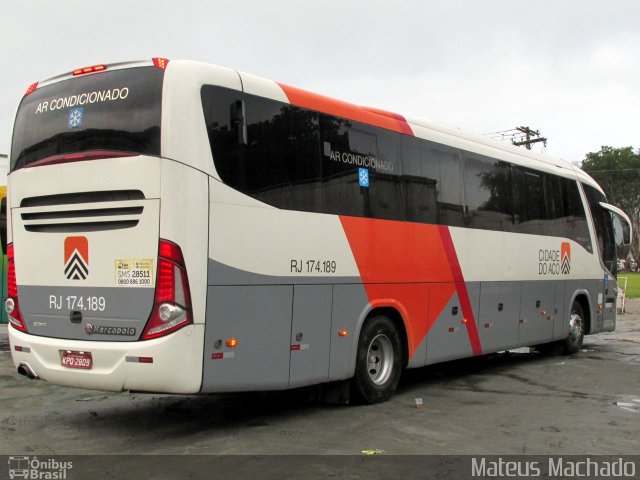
(116, 110)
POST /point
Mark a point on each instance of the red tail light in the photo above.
(91, 69)
(160, 63)
(31, 89)
(172, 304)
(11, 303)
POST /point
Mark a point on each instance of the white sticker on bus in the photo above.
(134, 272)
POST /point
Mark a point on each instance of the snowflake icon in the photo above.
(75, 117)
(363, 177)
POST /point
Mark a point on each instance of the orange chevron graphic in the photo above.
(76, 258)
(565, 257)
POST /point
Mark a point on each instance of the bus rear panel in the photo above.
(98, 299)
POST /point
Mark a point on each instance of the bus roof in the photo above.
(418, 126)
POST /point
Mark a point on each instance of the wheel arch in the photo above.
(583, 298)
(396, 317)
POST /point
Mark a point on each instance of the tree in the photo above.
(617, 170)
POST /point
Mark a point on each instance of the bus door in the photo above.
(618, 226)
(613, 232)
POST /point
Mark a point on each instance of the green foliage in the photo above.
(617, 170)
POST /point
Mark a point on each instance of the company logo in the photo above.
(555, 261)
(76, 258)
(102, 330)
(565, 255)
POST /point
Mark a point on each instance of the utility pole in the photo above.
(520, 136)
(531, 136)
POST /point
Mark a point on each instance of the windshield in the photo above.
(115, 110)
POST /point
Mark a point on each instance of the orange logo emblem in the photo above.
(76, 258)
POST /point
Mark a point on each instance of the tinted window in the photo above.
(488, 194)
(421, 182)
(298, 159)
(574, 220)
(114, 110)
(342, 154)
(432, 182)
(529, 200)
(450, 210)
(383, 197)
(546, 204)
(279, 162)
(603, 224)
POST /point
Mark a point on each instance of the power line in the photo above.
(520, 136)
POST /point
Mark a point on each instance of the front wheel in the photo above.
(378, 361)
(573, 342)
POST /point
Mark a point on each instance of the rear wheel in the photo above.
(573, 342)
(378, 361)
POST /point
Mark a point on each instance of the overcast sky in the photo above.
(570, 69)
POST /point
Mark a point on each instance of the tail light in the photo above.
(11, 304)
(160, 63)
(172, 303)
(31, 89)
(91, 69)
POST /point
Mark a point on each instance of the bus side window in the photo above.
(421, 183)
(450, 209)
(342, 193)
(575, 217)
(385, 187)
(603, 225)
(488, 194)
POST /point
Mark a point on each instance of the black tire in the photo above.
(573, 343)
(378, 361)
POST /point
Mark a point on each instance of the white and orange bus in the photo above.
(181, 227)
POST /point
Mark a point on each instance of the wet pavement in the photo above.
(509, 403)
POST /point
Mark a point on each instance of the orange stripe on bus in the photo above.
(396, 268)
(338, 108)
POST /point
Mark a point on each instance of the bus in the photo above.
(186, 228)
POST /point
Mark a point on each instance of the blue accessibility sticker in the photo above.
(76, 116)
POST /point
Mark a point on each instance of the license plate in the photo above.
(72, 359)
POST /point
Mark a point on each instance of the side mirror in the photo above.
(621, 224)
(622, 231)
(238, 115)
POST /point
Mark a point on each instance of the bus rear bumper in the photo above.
(171, 364)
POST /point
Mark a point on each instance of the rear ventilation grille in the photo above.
(80, 227)
(82, 212)
(98, 212)
(82, 197)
